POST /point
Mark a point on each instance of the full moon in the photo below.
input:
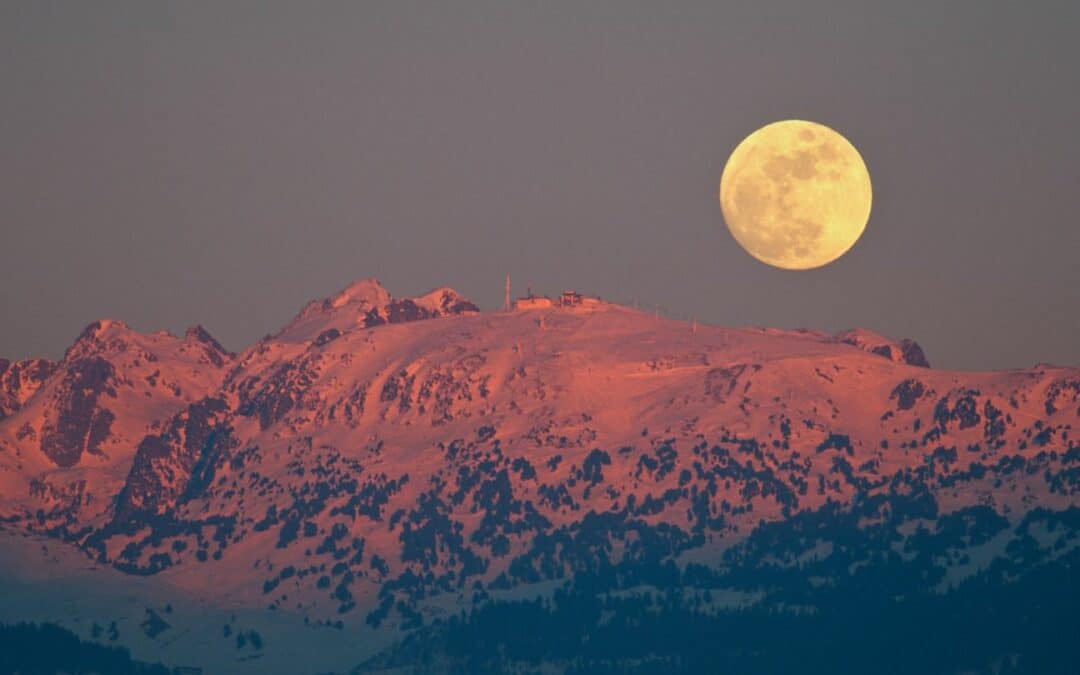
(795, 195)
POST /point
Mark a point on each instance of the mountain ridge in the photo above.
(379, 457)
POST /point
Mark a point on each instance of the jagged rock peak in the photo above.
(95, 330)
(197, 333)
(365, 304)
(445, 300)
(365, 291)
(95, 336)
(362, 294)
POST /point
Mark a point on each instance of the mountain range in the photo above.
(407, 474)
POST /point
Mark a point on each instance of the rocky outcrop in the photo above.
(19, 381)
(901, 351)
(366, 304)
(82, 423)
(175, 464)
(215, 354)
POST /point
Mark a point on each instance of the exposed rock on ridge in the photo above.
(901, 351)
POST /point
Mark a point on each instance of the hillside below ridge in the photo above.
(381, 457)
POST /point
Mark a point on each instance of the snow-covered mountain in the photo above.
(381, 461)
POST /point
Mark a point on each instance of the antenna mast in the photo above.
(506, 300)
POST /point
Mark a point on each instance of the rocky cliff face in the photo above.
(378, 458)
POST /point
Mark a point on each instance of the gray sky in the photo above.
(223, 163)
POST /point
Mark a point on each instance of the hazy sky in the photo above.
(223, 163)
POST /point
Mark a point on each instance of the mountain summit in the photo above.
(365, 304)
